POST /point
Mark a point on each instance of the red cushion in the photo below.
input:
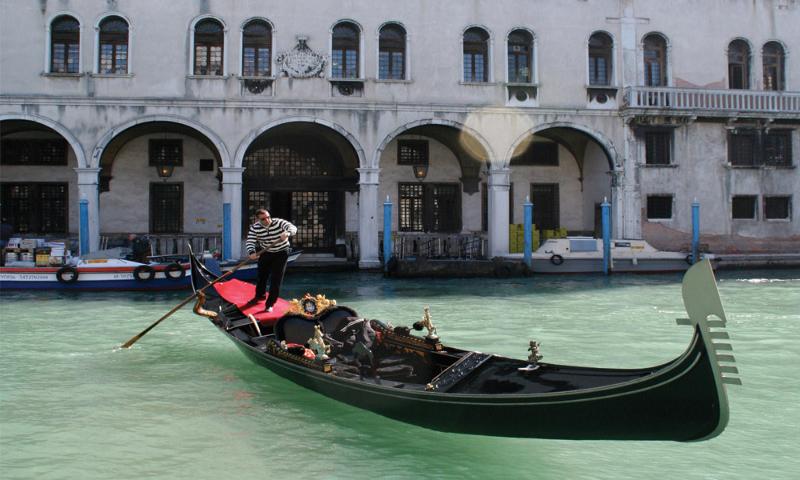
(239, 293)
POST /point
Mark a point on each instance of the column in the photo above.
(368, 217)
(499, 181)
(231, 212)
(88, 179)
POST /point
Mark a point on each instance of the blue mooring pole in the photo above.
(226, 231)
(528, 231)
(695, 230)
(83, 213)
(605, 208)
(387, 233)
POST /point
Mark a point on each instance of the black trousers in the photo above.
(271, 265)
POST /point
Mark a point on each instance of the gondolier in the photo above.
(273, 235)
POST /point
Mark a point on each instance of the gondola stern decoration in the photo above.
(311, 306)
(704, 306)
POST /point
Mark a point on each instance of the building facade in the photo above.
(180, 119)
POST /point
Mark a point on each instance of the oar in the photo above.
(187, 300)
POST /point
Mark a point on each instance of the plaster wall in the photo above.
(125, 208)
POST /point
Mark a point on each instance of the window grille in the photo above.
(311, 213)
(36, 208)
(658, 148)
(412, 152)
(659, 207)
(33, 151)
(286, 161)
(752, 148)
(166, 207)
(545, 199)
(411, 207)
(166, 152)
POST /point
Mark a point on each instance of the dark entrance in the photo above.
(545, 200)
(302, 180)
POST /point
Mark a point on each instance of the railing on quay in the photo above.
(465, 246)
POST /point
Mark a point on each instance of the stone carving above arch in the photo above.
(301, 61)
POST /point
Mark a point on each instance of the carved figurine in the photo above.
(427, 323)
(535, 356)
(318, 345)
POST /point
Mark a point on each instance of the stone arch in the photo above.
(254, 134)
(76, 146)
(109, 136)
(614, 161)
(433, 121)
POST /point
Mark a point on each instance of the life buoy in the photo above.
(173, 271)
(689, 259)
(556, 259)
(67, 274)
(143, 273)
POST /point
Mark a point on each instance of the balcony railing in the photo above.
(748, 101)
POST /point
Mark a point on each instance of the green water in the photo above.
(184, 403)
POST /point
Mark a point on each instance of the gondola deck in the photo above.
(391, 372)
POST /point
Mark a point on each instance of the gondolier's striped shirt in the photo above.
(259, 236)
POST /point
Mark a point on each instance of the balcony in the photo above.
(714, 103)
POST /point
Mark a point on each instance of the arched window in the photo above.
(774, 62)
(738, 65)
(257, 49)
(65, 37)
(209, 41)
(392, 53)
(345, 42)
(655, 61)
(113, 46)
(600, 66)
(476, 55)
(520, 53)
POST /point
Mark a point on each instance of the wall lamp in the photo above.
(164, 170)
(420, 171)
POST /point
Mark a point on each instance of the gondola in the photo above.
(419, 380)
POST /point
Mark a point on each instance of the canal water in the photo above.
(183, 403)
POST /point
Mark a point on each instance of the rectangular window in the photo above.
(166, 207)
(33, 151)
(777, 208)
(430, 207)
(166, 152)
(743, 149)
(598, 69)
(658, 148)
(412, 152)
(777, 148)
(475, 67)
(411, 202)
(659, 207)
(36, 208)
(744, 207)
(540, 154)
(545, 199)
(753, 148)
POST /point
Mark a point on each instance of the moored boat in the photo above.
(585, 255)
(97, 274)
(367, 363)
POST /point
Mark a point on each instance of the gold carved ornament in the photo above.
(311, 306)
